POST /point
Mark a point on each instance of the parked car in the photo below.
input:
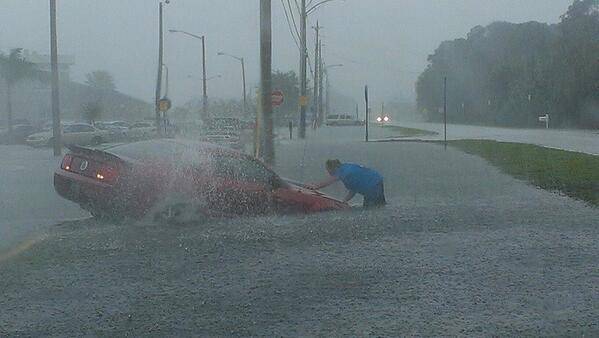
(342, 120)
(223, 138)
(72, 134)
(142, 130)
(175, 179)
(20, 132)
(117, 130)
(222, 123)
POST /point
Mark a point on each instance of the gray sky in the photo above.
(381, 42)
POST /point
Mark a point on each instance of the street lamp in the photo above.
(240, 59)
(204, 93)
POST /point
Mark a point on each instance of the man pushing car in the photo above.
(357, 179)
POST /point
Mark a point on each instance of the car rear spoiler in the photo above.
(94, 153)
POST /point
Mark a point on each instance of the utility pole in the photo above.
(56, 130)
(265, 115)
(204, 80)
(316, 75)
(245, 106)
(367, 109)
(159, 76)
(320, 84)
(445, 111)
(326, 89)
(357, 116)
(303, 14)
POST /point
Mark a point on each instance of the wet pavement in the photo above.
(28, 203)
(461, 249)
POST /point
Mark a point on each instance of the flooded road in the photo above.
(460, 249)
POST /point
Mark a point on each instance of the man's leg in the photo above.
(376, 198)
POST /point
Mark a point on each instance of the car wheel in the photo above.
(97, 140)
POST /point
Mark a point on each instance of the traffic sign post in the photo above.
(277, 98)
(164, 104)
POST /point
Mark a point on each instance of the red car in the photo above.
(175, 179)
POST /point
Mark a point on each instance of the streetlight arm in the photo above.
(186, 33)
(229, 55)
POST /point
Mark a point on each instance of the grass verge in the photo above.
(409, 132)
(572, 173)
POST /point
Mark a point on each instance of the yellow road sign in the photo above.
(303, 100)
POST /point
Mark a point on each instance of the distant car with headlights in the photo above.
(72, 134)
(383, 119)
(342, 120)
(174, 179)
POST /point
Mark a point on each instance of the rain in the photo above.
(299, 168)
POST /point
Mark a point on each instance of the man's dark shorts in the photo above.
(376, 198)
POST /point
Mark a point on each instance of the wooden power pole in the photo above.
(265, 118)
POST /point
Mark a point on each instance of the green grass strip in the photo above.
(572, 173)
(409, 132)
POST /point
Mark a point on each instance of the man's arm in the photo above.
(323, 184)
(349, 196)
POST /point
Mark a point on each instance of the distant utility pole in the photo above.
(303, 56)
(320, 84)
(56, 130)
(265, 115)
(204, 81)
(367, 109)
(159, 75)
(445, 110)
(316, 76)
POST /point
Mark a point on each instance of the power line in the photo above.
(293, 18)
(289, 25)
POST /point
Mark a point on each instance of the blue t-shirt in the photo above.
(358, 179)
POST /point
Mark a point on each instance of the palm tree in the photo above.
(14, 68)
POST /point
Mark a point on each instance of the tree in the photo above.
(100, 79)
(508, 74)
(14, 68)
(92, 111)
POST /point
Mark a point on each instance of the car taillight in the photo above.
(66, 162)
(107, 174)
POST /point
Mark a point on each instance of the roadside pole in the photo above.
(445, 111)
(302, 126)
(320, 116)
(56, 130)
(266, 125)
(159, 76)
(366, 99)
(316, 109)
(204, 80)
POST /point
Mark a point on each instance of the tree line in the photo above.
(508, 74)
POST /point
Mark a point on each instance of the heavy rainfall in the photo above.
(299, 168)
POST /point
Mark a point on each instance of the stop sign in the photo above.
(277, 98)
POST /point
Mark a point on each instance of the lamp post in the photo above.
(240, 59)
(204, 89)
